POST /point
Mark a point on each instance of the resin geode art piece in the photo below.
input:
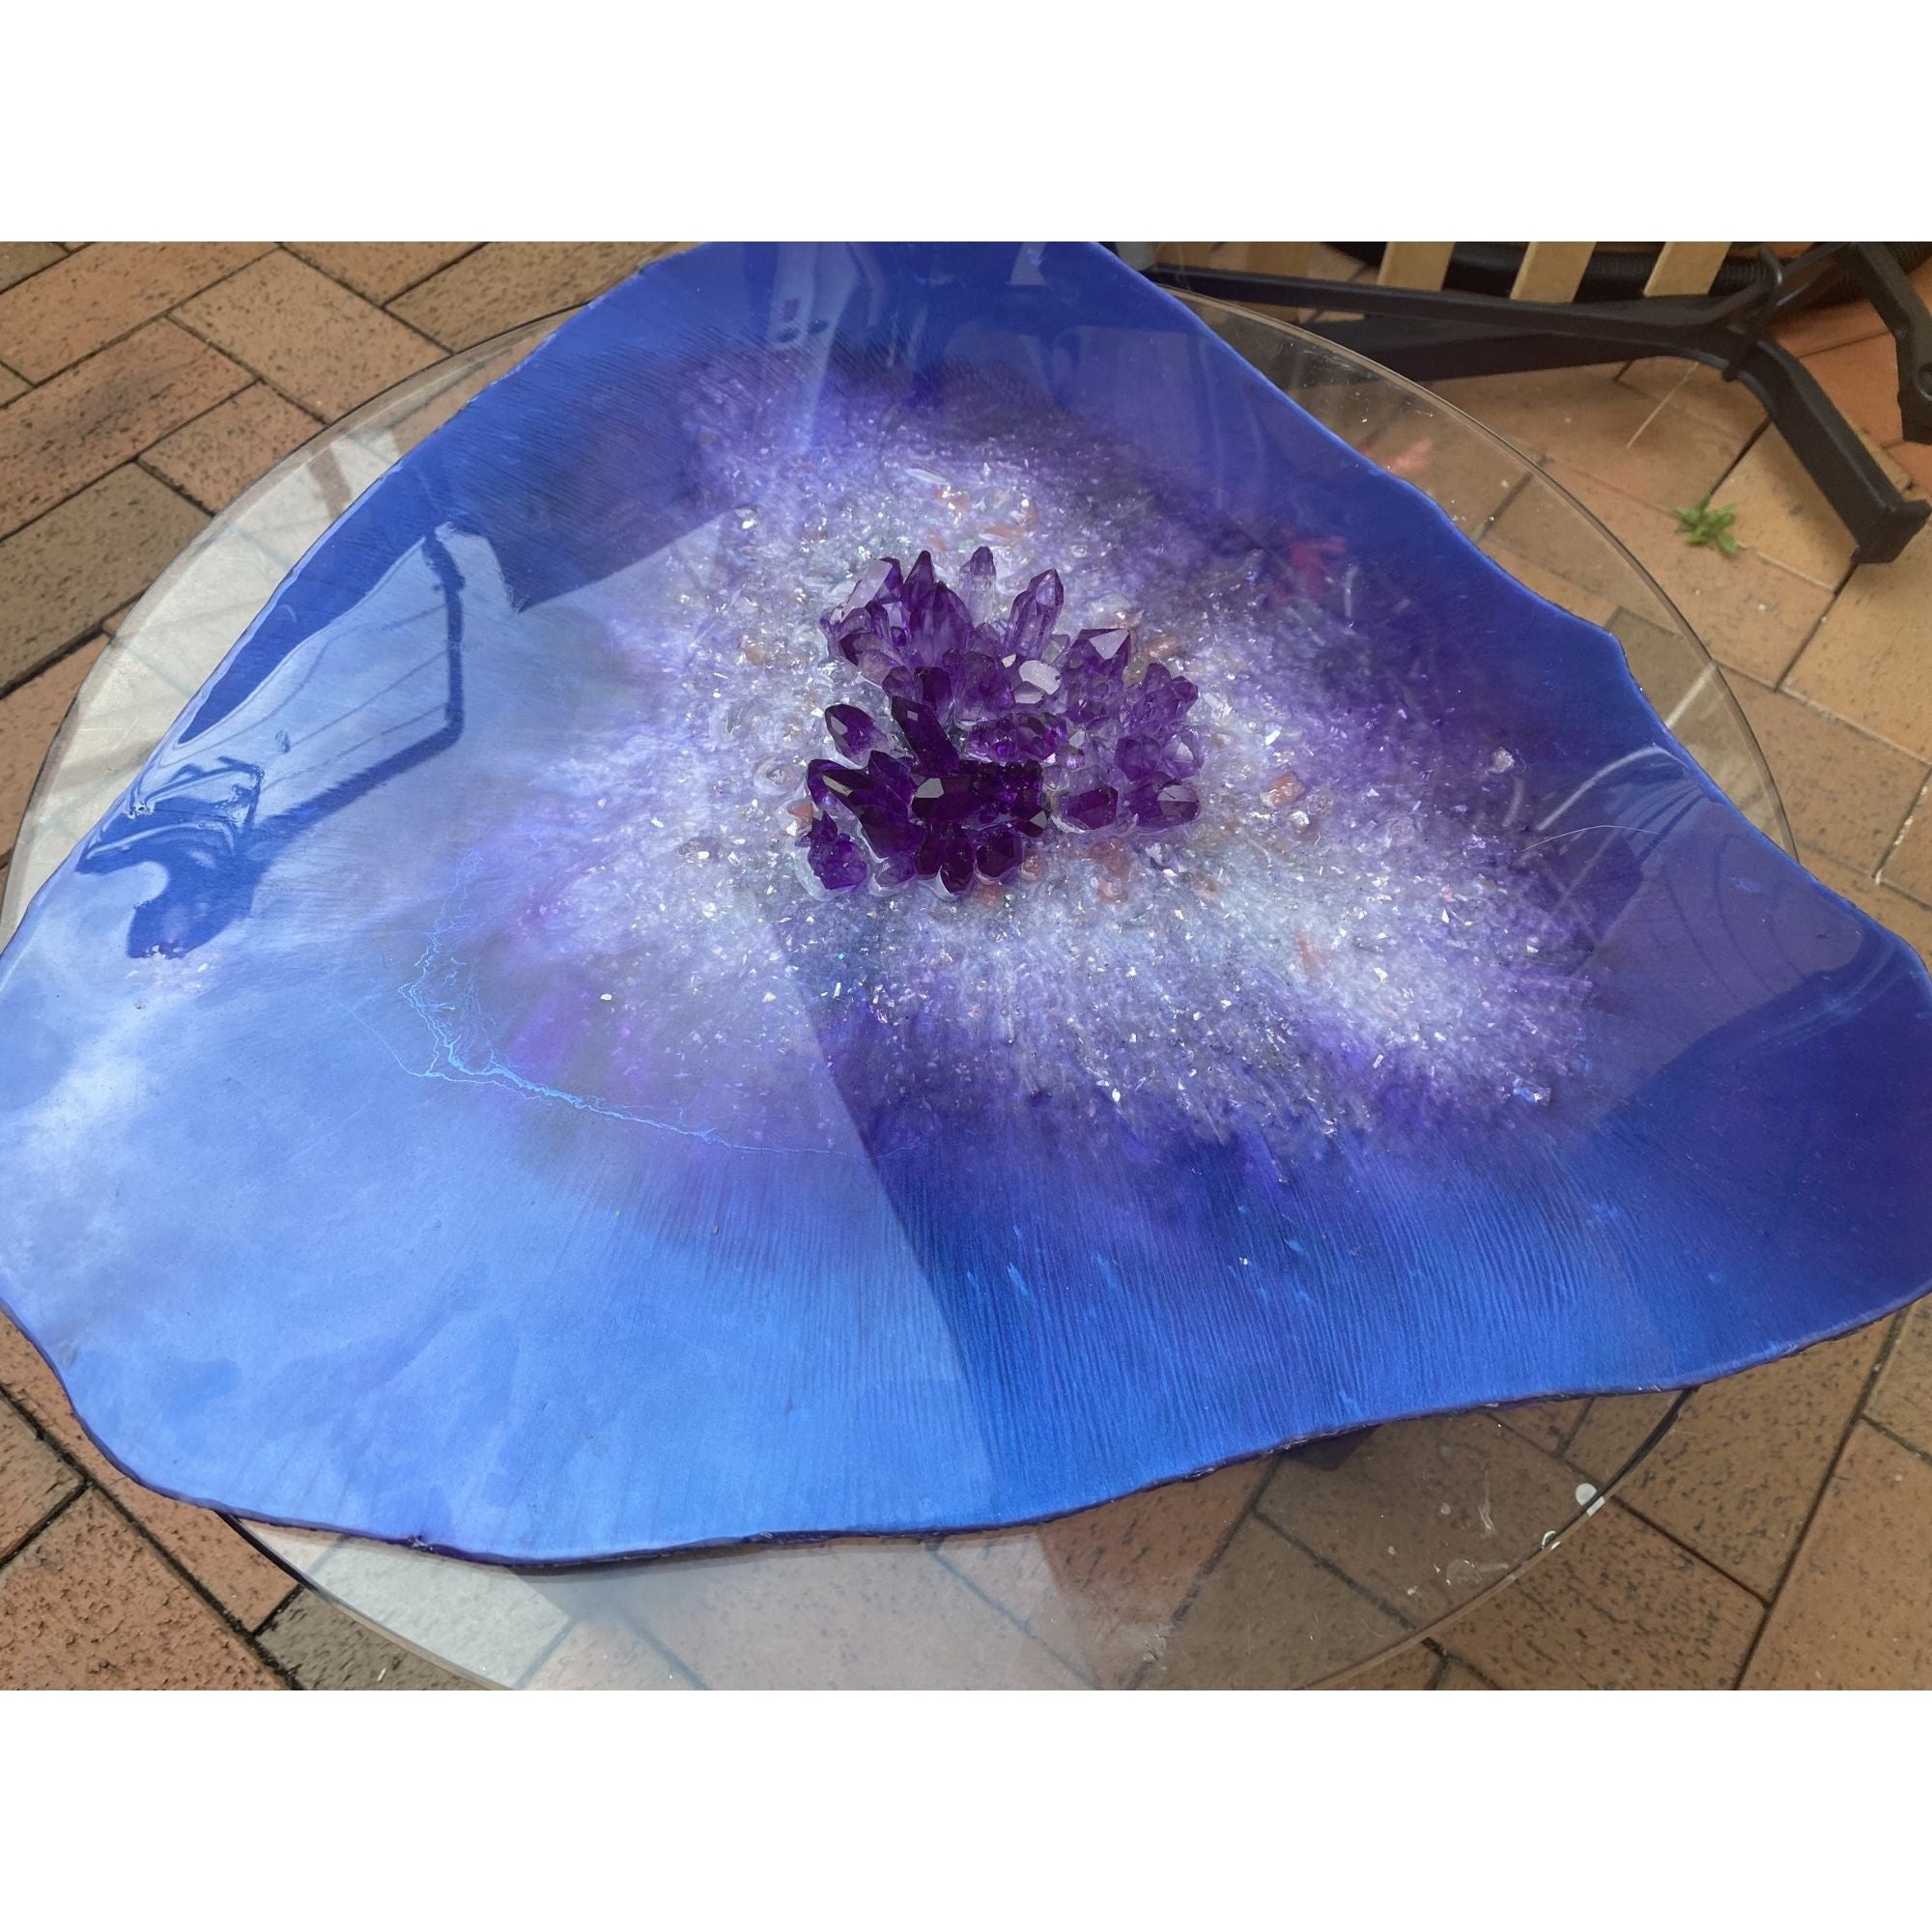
(883, 894)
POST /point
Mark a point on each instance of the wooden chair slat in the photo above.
(1686, 267)
(1415, 264)
(1273, 258)
(1552, 271)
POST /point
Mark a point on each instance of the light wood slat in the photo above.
(1275, 258)
(1686, 267)
(1264, 258)
(1552, 271)
(1415, 264)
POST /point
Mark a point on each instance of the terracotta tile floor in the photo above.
(1782, 1533)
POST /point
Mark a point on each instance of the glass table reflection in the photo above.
(1292, 1570)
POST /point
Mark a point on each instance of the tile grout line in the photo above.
(230, 1622)
(66, 651)
(381, 308)
(1487, 529)
(1410, 1629)
(657, 1643)
(1501, 1413)
(274, 389)
(40, 516)
(550, 1651)
(229, 1619)
(1576, 1429)
(33, 1536)
(1803, 1535)
(1615, 1490)
(269, 382)
(637, 1629)
(306, 1585)
(296, 1588)
(97, 625)
(1187, 1604)
(1456, 1613)
(1619, 1488)
(461, 347)
(1898, 837)
(1818, 710)
(1835, 590)
(445, 352)
(1450, 1658)
(1709, 1562)
(1019, 1623)
(129, 462)
(147, 469)
(1809, 638)
(410, 289)
(134, 329)
(1893, 1435)
(188, 422)
(1610, 1495)
(1735, 463)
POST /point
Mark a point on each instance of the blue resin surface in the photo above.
(444, 1101)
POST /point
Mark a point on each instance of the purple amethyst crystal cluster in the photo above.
(1002, 730)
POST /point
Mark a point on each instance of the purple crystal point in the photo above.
(921, 580)
(1007, 727)
(1160, 704)
(893, 777)
(1028, 736)
(1109, 649)
(1034, 613)
(880, 581)
(979, 586)
(947, 632)
(836, 860)
(955, 869)
(1155, 802)
(852, 730)
(1177, 804)
(1000, 854)
(1092, 810)
(982, 684)
(920, 726)
(825, 779)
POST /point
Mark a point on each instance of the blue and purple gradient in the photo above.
(444, 1101)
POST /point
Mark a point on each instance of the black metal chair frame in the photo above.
(1433, 334)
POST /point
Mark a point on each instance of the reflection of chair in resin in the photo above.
(217, 821)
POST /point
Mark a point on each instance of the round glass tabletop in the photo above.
(1290, 1570)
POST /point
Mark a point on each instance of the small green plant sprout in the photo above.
(1702, 525)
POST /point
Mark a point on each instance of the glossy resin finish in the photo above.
(517, 1073)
